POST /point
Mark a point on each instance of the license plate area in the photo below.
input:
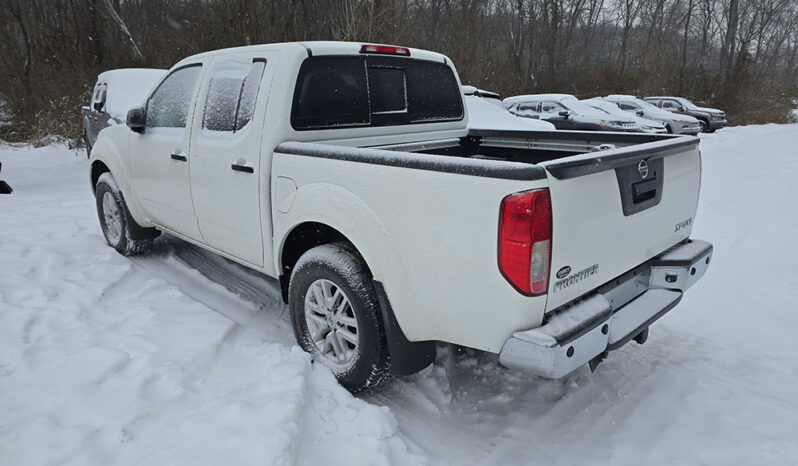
(640, 185)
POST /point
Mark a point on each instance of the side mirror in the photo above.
(98, 106)
(565, 114)
(640, 113)
(136, 119)
(680, 108)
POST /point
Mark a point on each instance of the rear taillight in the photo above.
(525, 241)
(385, 49)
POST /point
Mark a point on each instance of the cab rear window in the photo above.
(347, 91)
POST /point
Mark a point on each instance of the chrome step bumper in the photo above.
(607, 319)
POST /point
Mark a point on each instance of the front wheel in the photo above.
(704, 126)
(336, 316)
(120, 230)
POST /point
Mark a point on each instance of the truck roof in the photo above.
(620, 96)
(527, 97)
(312, 48)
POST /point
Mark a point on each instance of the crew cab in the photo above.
(114, 93)
(711, 119)
(348, 172)
(565, 111)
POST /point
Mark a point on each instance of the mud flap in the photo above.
(407, 357)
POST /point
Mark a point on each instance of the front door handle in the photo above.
(179, 157)
(242, 168)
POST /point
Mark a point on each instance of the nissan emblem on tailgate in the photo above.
(642, 168)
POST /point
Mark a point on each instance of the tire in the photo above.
(336, 316)
(120, 230)
(669, 129)
(704, 126)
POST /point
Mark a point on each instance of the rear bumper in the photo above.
(610, 317)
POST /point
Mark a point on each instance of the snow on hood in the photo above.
(127, 88)
(483, 114)
(707, 109)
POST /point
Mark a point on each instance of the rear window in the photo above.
(344, 92)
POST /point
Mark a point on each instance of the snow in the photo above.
(181, 357)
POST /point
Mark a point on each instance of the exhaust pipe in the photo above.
(4, 187)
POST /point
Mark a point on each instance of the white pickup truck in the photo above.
(347, 171)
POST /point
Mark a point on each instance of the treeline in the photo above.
(739, 55)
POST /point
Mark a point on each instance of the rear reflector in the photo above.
(385, 49)
(525, 241)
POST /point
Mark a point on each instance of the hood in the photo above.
(707, 109)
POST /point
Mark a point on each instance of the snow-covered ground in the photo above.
(184, 358)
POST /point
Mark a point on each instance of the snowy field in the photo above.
(181, 357)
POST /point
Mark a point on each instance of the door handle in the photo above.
(179, 157)
(242, 168)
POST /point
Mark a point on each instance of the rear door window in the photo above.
(232, 94)
(352, 91)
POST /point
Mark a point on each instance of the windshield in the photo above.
(645, 105)
(687, 103)
(582, 108)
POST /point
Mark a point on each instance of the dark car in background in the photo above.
(711, 119)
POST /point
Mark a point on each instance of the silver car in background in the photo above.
(674, 122)
(646, 125)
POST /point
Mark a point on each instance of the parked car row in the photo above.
(625, 113)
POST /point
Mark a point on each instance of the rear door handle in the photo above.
(242, 168)
(179, 157)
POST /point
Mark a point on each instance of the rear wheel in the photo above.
(120, 230)
(336, 316)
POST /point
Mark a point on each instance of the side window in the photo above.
(529, 107)
(232, 94)
(668, 104)
(627, 106)
(551, 107)
(168, 105)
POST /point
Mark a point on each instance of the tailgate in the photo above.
(614, 209)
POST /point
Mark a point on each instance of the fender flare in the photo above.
(330, 204)
(104, 150)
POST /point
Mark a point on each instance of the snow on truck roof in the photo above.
(529, 97)
(316, 48)
(620, 96)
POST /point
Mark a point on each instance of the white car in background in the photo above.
(566, 112)
(646, 125)
(116, 92)
(674, 122)
(486, 111)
